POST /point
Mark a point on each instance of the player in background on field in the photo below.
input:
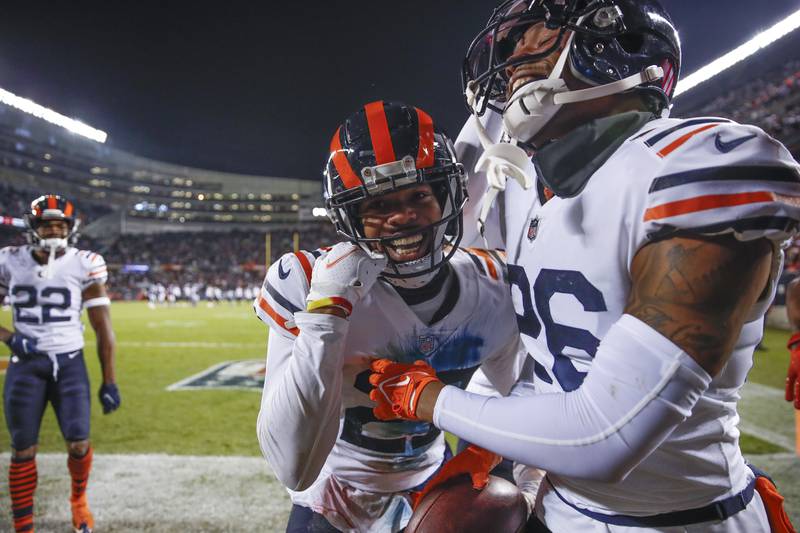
(398, 288)
(793, 312)
(643, 253)
(49, 283)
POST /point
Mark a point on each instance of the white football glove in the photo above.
(343, 277)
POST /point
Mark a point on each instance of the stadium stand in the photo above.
(156, 223)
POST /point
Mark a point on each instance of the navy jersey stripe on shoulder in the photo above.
(477, 262)
(659, 136)
(279, 298)
(744, 173)
(763, 223)
(645, 132)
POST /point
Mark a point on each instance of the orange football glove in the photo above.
(473, 460)
(793, 374)
(398, 387)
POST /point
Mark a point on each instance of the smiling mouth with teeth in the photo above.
(407, 248)
(526, 74)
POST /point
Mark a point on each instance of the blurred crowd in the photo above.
(770, 102)
(216, 266)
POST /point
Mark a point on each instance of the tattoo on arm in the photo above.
(697, 292)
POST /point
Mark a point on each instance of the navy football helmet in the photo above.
(51, 207)
(384, 147)
(607, 42)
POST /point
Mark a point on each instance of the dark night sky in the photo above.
(259, 87)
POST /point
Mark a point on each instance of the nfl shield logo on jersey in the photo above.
(426, 344)
(533, 229)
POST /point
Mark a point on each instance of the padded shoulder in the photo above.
(284, 290)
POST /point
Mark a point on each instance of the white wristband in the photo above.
(94, 302)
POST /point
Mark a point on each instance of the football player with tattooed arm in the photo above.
(642, 259)
(398, 288)
(49, 282)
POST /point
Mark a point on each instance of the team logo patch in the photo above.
(533, 229)
(238, 375)
(426, 344)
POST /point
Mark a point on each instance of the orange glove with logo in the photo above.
(398, 387)
(473, 461)
(793, 374)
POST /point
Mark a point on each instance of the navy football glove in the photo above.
(109, 397)
(22, 345)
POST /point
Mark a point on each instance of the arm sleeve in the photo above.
(640, 387)
(301, 402)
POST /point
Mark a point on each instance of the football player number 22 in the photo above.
(559, 336)
(27, 298)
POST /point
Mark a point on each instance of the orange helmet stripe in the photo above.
(349, 178)
(68, 209)
(379, 133)
(425, 154)
(52, 203)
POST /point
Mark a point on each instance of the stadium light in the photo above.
(763, 39)
(32, 108)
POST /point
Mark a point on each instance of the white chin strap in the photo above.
(53, 246)
(528, 111)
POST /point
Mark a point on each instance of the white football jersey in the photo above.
(569, 267)
(475, 327)
(49, 309)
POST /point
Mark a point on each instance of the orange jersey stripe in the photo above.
(305, 264)
(488, 259)
(674, 145)
(379, 133)
(425, 153)
(703, 203)
(263, 304)
(340, 161)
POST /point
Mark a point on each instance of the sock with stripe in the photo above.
(79, 468)
(22, 479)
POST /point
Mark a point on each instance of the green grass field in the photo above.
(162, 346)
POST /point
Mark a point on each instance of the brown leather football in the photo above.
(455, 506)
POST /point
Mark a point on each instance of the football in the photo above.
(455, 506)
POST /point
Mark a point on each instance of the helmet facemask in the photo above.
(612, 46)
(47, 208)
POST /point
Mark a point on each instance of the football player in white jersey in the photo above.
(398, 289)
(642, 259)
(49, 283)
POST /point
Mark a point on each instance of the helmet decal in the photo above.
(379, 133)
(425, 156)
(340, 162)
